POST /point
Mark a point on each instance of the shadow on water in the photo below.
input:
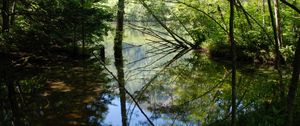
(58, 93)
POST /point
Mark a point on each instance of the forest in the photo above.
(149, 62)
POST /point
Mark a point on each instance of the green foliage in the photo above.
(200, 87)
(221, 50)
(288, 53)
(202, 21)
(45, 24)
(32, 85)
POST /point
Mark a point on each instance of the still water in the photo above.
(173, 87)
(185, 87)
(144, 63)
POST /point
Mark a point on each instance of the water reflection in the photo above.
(197, 89)
(113, 117)
(100, 110)
(55, 94)
(192, 89)
(119, 64)
(142, 67)
(172, 86)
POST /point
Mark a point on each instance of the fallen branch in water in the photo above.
(127, 92)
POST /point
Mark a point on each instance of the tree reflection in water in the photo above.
(172, 88)
(197, 89)
(55, 94)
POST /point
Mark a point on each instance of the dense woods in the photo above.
(178, 62)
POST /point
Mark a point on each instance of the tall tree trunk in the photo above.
(13, 10)
(277, 52)
(13, 104)
(75, 50)
(83, 39)
(233, 53)
(293, 87)
(291, 97)
(119, 59)
(11, 94)
(277, 22)
(263, 13)
(295, 24)
(5, 15)
(82, 29)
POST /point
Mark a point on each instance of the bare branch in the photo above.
(291, 6)
(195, 8)
(127, 92)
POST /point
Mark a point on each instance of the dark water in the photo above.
(183, 88)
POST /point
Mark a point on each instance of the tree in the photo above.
(41, 24)
(82, 28)
(293, 86)
(5, 15)
(119, 59)
(277, 22)
(275, 27)
(13, 10)
(263, 13)
(233, 53)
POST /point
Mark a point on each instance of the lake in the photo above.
(173, 86)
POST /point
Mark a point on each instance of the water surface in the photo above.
(173, 86)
